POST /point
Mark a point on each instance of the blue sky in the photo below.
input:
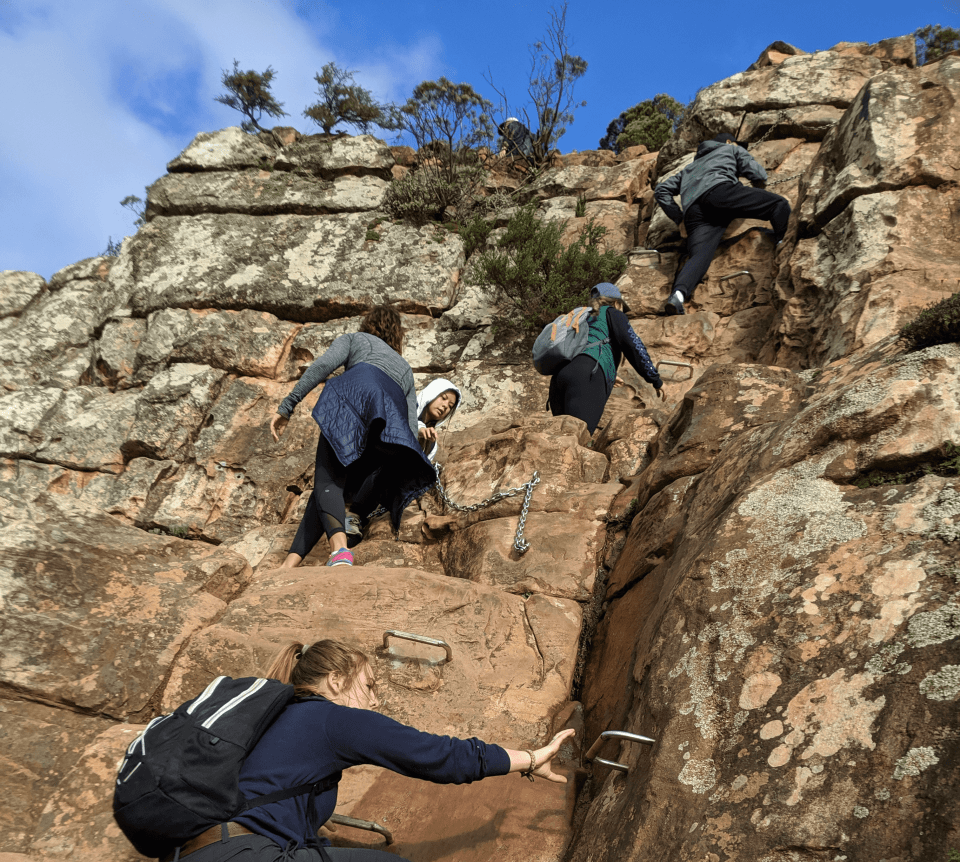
(102, 94)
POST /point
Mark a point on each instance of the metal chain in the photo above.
(780, 118)
(519, 542)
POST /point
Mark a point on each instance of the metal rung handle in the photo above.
(735, 274)
(369, 825)
(616, 734)
(420, 639)
(678, 364)
(720, 281)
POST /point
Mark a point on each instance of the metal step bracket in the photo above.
(679, 365)
(420, 639)
(615, 734)
(739, 272)
(369, 825)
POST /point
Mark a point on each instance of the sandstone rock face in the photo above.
(768, 650)
(719, 570)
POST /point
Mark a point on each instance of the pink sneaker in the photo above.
(343, 557)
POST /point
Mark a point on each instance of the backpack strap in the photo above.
(599, 342)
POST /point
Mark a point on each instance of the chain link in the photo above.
(781, 117)
(519, 542)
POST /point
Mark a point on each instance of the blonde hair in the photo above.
(597, 302)
(303, 667)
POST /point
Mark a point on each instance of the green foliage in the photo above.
(343, 101)
(954, 856)
(538, 276)
(372, 235)
(650, 123)
(475, 233)
(450, 120)
(423, 195)
(938, 324)
(581, 209)
(249, 93)
(551, 83)
(934, 41)
(138, 207)
(112, 249)
(944, 463)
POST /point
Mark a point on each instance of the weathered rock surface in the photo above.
(297, 267)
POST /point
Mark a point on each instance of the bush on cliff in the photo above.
(938, 324)
(934, 42)
(249, 93)
(650, 123)
(540, 278)
(451, 125)
(343, 101)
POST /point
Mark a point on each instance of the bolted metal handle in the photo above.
(420, 639)
(734, 275)
(616, 734)
(678, 364)
(369, 825)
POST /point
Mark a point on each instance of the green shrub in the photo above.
(934, 41)
(343, 101)
(249, 93)
(475, 233)
(650, 123)
(424, 194)
(938, 324)
(536, 275)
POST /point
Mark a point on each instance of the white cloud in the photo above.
(112, 90)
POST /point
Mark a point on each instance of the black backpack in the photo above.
(181, 775)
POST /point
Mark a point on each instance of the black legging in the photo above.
(709, 217)
(368, 480)
(580, 389)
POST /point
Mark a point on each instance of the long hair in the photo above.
(304, 667)
(599, 301)
(384, 322)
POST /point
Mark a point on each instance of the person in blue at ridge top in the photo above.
(582, 386)
(336, 727)
(712, 196)
(368, 424)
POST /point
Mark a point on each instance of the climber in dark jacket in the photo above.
(582, 387)
(332, 726)
(712, 196)
(368, 423)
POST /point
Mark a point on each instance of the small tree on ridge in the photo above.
(343, 101)
(249, 93)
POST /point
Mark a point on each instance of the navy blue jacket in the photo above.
(316, 738)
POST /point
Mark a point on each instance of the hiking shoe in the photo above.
(352, 526)
(341, 558)
(674, 305)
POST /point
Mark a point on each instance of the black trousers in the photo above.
(709, 217)
(580, 389)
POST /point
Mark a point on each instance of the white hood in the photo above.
(432, 390)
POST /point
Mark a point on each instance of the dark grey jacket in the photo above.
(715, 164)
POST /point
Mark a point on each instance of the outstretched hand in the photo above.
(546, 754)
(277, 426)
(660, 394)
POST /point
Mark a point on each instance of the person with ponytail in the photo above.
(368, 424)
(582, 386)
(334, 725)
